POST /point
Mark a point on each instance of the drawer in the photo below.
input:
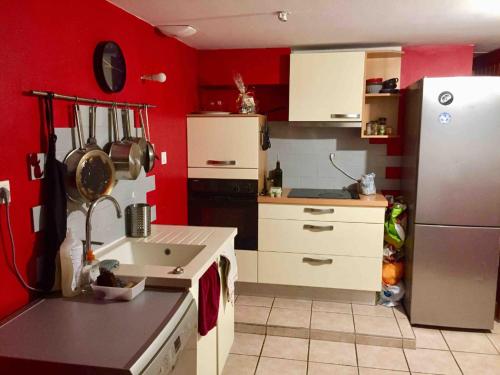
(338, 238)
(339, 272)
(223, 142)
(322, 213)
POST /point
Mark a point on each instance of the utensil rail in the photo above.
(80, 99)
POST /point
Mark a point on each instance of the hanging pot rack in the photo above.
(80, 99)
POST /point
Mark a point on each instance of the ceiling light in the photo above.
(283, 15)
(158, 77)
(177, 31)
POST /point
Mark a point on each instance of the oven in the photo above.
(225, 203)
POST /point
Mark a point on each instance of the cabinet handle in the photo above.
(311, 210)
(318, 228)
(317, 261)
(345, 115)
(221, 162)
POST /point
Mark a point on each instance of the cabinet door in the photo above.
(326, 86)
(223, 142)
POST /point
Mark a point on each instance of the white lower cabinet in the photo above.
(321, 246)
(247, 265)
(326, 271)
(213, 348)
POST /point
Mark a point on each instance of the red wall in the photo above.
(50, 47)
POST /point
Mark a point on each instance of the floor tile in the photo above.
(399, 312)
(495, 340)
(240, 365)
(478, 364)
(256, 329)
(336, 307)
(277, 366)
(381, 358)
(406, 329)
(289, 318)
(332, 322)
(329, 369)
(255, 301)
(323, 335)
(375, 371)
(392, 342)
(302, 333)
(369, 310)
(247, 343)
(339, 353)
(428, 338)
(471, 342)
(496, 327)
(377, 326)
(285, 347)
(290, 303)
(431, 361)
(251, 314)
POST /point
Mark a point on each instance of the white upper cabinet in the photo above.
(326, 86)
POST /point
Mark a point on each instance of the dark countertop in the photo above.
(83, 331)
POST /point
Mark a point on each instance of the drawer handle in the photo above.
(345, 115)
(318, 228)
(221, 162)
(311, 210)
(317, 261)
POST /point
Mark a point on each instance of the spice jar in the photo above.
(381, 129)
(388, 130)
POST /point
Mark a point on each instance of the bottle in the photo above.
(278, 175)
(71, 254)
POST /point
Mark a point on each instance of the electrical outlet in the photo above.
(5, 184)
(164, 157)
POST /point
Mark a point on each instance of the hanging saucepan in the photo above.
(149, 155)
(141, 141)
(90, 172)
(126, 156)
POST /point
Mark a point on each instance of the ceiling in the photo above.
(254, 23)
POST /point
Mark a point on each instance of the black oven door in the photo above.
(226, 210)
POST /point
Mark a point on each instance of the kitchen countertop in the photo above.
(83, 335)
(214, 239)
(377, 200)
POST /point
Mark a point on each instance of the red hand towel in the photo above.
(208, 300)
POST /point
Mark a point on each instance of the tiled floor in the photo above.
(437, 351)
(322, 320)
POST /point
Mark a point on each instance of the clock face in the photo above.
(109, 66)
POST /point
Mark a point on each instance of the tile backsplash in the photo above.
(106, 227)
(304, 155)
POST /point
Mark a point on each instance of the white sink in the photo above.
(151, 254)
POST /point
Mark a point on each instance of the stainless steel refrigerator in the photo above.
(451, 181)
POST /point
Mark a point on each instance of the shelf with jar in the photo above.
(381, 98)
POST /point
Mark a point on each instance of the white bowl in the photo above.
(124, 294)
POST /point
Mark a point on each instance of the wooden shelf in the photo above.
(380, 136)
(382, 95)
(383, 54)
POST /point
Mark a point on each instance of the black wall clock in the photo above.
(109, 66)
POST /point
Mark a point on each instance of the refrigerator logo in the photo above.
(444, 118)
(446, 98)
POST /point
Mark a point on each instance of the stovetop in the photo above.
(323, 193)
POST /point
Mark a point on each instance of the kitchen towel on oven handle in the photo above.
(208, 299)
(229, 272)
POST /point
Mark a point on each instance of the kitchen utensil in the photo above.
(126, 155)
(138, 220)
(91, 141)
(149, 155)
(116, 293)
(390, 83)
(90, 172)
(141, 141)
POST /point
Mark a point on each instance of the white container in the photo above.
(71, 254)
(123, 294)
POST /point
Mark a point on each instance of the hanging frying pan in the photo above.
(91, 173)
(91, 141)
(141, 141)
(149, 154)
(126, 155)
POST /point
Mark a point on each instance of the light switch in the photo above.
(164, 157)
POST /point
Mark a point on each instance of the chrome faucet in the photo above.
(88, 224)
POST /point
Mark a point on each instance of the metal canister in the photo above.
(138, 220)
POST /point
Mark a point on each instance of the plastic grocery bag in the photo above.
(394, 226)
(367, 184)
(391, 295)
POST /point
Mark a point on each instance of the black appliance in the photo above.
(323, 193)
(225, 203)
